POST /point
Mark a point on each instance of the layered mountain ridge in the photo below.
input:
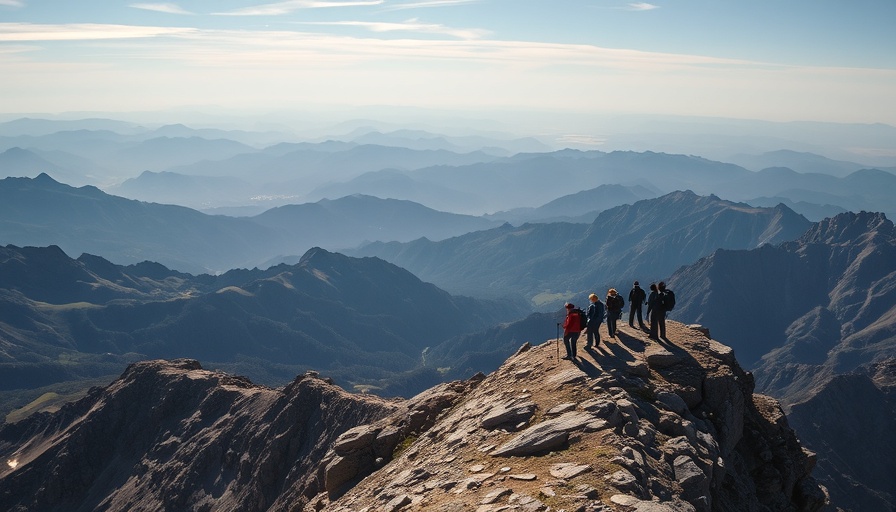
(646, 240)
(361, 319)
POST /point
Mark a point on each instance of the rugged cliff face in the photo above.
(172, 436)
(631, 425)
(852, 418)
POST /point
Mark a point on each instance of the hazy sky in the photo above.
(782, 60)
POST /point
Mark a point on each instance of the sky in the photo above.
(790, 60)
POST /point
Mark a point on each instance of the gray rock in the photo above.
(386, 441)
(694, 483)
(701, 329)
(547, 435)
(627, 408)
(560, 409)
(495, 495)
(568, 470)
(639, 368)
(662, 358)
(603, 408)
(508, 413)
(339, 471)
(624, 480)
(397, 503)
(672, 402)
(636, 505)
(354, 439)
(676, 447)
(587, 491)
(571, 376)
(723, 352)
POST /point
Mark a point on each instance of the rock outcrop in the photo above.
(172, 436)
(633, 425)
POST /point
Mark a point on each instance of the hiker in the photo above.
(595, 318)
(615, 303)
(658, 313)
(571, 329)
(636, 299)
(650, 299)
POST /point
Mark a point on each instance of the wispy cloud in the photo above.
(82, 32)
(280, 8)
(12, 3)
(428, 3)
(166, 8)
(642, 6)
(408, 26)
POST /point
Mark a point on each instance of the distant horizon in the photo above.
(800, 61)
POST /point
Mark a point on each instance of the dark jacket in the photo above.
(655, 302)
(595, 313)
(636, 296)
(615, 303)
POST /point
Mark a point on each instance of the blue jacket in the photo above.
(595, 312)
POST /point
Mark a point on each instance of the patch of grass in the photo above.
(66, 307)
(365, 388)
(548, 297)
(403, 445)
(47, 402)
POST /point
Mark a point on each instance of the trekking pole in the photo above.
(558, 342)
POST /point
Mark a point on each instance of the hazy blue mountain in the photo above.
(812, 211)
(579, 207)
(395, 184)
(251, 138)
(546, 263)
(420, 139)
(41, 212)
(802, 162)
(161, 153)
(18, 162)
(866, 189)
(360, 320)
(536, 178)
(39, 127)
(195, 192)
(350, 220)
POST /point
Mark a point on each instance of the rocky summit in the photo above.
(632, 425)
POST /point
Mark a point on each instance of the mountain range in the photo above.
(363, 321)
(41, 211)
(249, 172)
(547, 263)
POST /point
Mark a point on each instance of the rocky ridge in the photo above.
(632, 425)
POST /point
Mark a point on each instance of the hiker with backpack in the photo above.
(664, 301)
(595, 316)
(651, 300)
(615, 303)
(636, 299)
(572, 328)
